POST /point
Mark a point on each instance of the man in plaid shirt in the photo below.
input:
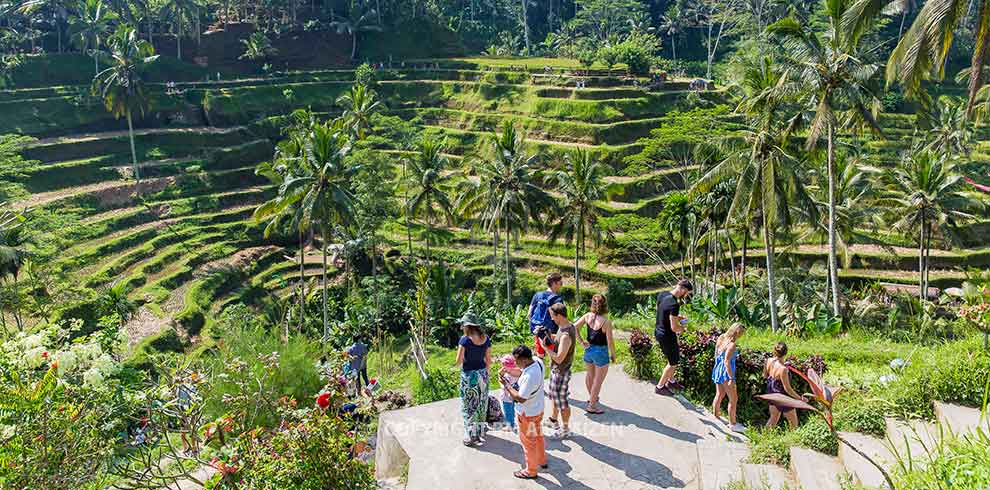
(560, 371)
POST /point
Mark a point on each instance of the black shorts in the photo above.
(668, 345)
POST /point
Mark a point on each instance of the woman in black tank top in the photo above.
(599, 349)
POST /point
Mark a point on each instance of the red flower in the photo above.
(323, 400)
(44, 355)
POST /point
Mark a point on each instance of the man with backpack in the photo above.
(541, 324)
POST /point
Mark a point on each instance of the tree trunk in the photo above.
(673, 48)
(226, 16)
(742, 264)
(302, 282)
(508, 267)
(928, 260)
(525, 21)
(768, 245)
(577, 263)
(134, 162)
(833, 260)
(178, 38)
(495, 262)
(921, 263)
(326, 321)
(354, 36)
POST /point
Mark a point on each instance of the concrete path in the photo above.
(643, 441)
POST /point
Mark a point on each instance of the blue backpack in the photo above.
(541, 312)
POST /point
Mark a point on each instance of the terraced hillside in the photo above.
(182, 242)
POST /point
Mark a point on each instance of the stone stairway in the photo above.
(721, 462)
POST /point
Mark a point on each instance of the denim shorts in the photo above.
(597, 355)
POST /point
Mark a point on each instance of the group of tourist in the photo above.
(522, 373)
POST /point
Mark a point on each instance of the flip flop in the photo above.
(522, 475)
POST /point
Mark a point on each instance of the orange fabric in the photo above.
(531, 437)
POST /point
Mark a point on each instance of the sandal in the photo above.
(597, 411)
(522, 475)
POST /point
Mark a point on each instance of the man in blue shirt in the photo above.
(358, 353)
(541, 324)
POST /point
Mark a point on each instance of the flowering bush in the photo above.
(698, 359)
(62, 405)
(641, 351)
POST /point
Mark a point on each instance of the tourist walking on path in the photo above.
(724, 374)
(669, 323)
(358, 354)
(599, 349)
(558, 389)
(474, 356)
(509, 375)
(541, 325)
(779, 381)
(529, 411)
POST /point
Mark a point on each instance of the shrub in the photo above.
(641, 352)
(638, 52)
(956, 372)
(697, 360)
(440, 384)
(621, 297)
(861, 414)
(364, 74)
(957, 463)
(310, 452)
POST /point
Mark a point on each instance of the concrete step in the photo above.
(961, 420)
(912, 439)
(858, 466)
(766, 477)
(719, 462)
(815, 471)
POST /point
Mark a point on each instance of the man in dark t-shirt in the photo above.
(669, 323)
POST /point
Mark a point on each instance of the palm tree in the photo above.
(89, 26)
(922, 51)
(507, 193)
(768, 183)
(854, 196)
(925, 194)
(121, 86)
(671, 24)
(355, 23)
(582, 184)
(428, 182)
(13, 255)
(178, 11)
(951, 131)
(359, 104)
(834, 71)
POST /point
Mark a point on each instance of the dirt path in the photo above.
(57, 140)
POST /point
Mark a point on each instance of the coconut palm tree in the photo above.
(359, 104)
(180, 11)
(925, 194)
(768, 183)
(582, 184)
(508, 193)
(89, 26)
(121, 86)
(951, 131)
(429, 183)
(834, 71)
(356, 22)
(922, 51)
(13, 255)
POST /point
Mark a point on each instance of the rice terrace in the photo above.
(464, 244)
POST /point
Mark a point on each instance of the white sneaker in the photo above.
(560, 434)
(737, 427)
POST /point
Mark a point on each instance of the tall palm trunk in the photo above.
(495, 262)
(134, 162)
(923, 295)
(525, 22)
(742, 264)
(577, 260)
(178, 39)
(508, 266)
(302, 282)
(833, 260)
(326, 320)
(768, 245)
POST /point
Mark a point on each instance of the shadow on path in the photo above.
(616, 416)
(635, 467)
(511, 450)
